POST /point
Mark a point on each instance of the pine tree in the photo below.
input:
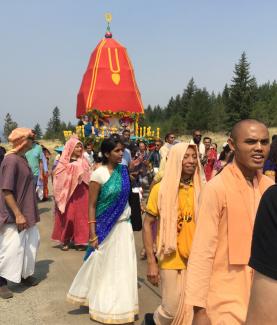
(170, 108)
(226, 95)
(199, 111)
(149, 115)
(56, 120)
(242, 93)
(186, 97)
(217, 115)
(176, 125)
(9, 125)
(38, 131)
(177, 105)
(54, 129)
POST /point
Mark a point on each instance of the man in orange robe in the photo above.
(218, 277)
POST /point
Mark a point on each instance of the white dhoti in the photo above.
(18, 252)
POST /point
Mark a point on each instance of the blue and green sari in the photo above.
(112, 200)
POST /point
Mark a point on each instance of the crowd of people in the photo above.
(196, 208)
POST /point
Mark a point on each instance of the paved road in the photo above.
(46, 304)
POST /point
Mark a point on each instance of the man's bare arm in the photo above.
(262, 306)
(152, 266)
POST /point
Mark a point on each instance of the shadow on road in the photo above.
(18, 287)
(80, 311)
(150, 287)
(41, 271)
(43, 210)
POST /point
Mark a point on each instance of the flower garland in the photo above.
(108, 113)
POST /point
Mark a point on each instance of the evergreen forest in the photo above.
(196, 108)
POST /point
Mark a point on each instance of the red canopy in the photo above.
(109, 82)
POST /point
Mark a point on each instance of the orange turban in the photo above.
(19, 139)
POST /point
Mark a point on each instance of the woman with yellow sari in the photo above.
(173, 202)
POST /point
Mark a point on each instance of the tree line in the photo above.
(196, 108)
(54, 129)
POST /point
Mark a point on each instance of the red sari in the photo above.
(208, 167)
(70, 189)
(72, 225)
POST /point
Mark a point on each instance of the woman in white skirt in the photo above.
(107, 281)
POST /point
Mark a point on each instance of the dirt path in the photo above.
(46, 304)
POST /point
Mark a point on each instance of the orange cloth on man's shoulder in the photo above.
(241, 210)
(173, 261)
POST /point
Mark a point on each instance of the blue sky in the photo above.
(45, 48)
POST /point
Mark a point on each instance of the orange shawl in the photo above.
(168, 197)
(67, 175)
(240, 212)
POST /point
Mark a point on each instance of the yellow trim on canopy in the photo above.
(94, 74)
(116, 59)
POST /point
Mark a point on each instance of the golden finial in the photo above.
(108, 17)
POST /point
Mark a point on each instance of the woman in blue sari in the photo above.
(107, 280)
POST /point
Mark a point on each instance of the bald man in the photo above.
(218, 277)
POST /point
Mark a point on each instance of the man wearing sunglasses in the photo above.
(196, 139)
(155, 157)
